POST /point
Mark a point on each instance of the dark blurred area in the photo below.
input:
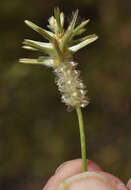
(37, 134)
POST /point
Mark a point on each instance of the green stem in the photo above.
(82, 139)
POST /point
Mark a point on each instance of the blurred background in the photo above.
(37, 133)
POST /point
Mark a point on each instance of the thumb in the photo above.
(88, 180)
(69, 176)
(67, 170)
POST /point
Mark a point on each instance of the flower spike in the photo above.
(58, 19)
(81, 26)
(69, 32)
(60, 48)
(40, 30)
(84, 43)
(29, 48)
(43, 47)
(75, 42)
(47, 61)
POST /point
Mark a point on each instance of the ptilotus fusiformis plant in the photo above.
(63, 43)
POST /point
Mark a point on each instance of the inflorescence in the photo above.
(60, 50)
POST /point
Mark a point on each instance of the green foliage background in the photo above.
(37, 134)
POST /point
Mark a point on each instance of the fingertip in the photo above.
(68, 169)
(92, 166)
(75, 166)
(61, 166)
(88, 180)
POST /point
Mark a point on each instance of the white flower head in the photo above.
(60, 50)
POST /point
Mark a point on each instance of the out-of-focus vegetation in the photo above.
(36, 132)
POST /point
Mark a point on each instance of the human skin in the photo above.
(94, 179)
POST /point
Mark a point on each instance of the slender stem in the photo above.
(82, 139)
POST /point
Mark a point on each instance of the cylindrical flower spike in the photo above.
(70, 85)
(60, 49)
